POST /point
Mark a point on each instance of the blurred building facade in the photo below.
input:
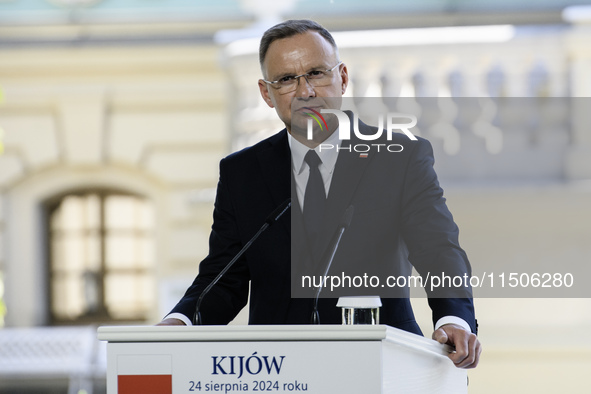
(115, 114)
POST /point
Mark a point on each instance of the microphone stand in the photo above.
(329, 257)
(271, 219)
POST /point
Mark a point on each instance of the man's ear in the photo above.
(344, 78)
(264, 89)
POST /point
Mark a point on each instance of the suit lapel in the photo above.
(275, 162)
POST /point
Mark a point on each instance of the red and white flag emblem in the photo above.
(144, 374)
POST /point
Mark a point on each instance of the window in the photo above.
(101, 256)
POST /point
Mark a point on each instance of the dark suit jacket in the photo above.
(397, 191)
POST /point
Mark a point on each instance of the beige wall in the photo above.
(146, 120)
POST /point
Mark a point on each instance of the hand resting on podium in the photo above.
(467, 346)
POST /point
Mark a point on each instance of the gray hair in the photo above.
(291, 28)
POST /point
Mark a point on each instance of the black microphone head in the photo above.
(347, 216)
(278, 212)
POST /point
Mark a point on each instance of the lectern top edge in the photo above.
(271, 333)
(241, 333)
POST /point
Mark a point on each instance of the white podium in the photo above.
(276, 359)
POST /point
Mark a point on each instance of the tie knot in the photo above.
(312, 159)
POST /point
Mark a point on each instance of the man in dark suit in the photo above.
(302, 72)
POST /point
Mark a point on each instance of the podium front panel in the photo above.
(244, 367)
(277, 359)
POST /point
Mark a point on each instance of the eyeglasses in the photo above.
(316, 78)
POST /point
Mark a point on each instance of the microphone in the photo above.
(329, 257)
(271, 219)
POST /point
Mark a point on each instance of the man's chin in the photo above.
(297, 131)
(301, 134)
(299, 125)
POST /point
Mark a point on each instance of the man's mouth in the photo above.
(310, 109)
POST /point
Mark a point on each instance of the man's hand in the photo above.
(171, 322)
(467, 346)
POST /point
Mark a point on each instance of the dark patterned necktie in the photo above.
(314, 198)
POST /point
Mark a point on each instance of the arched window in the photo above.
(101, 257)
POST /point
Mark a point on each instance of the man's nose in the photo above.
(304, 88)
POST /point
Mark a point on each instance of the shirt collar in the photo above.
(328, 156)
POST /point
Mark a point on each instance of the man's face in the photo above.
(298, 55)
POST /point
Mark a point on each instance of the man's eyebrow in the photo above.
(321, 67)
(285, 74)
